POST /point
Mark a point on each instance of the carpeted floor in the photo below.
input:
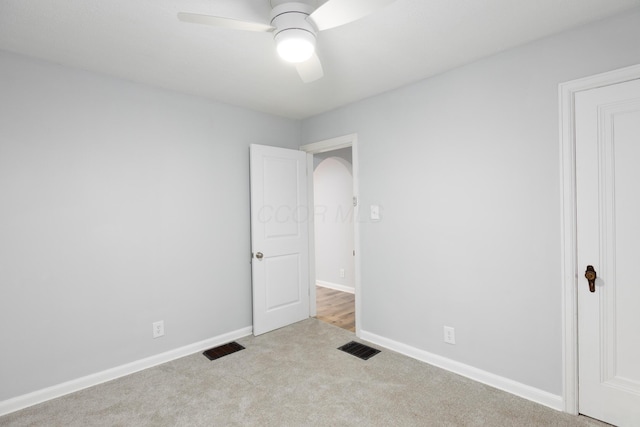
(294, 376)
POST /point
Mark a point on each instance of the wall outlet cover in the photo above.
(449, 335)
(158, 328)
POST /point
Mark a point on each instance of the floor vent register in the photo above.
(222, 350)
(361, 351)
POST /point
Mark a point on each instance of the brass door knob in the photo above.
(591, 276)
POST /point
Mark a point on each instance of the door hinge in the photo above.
(355, 201)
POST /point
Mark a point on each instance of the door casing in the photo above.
(323, 146)
(569, 267)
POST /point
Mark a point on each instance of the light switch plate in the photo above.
(375, 212)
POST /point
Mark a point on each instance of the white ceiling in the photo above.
(142, 40)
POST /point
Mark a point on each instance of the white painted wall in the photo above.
(120, 205)
(465, 167)
(333, 197)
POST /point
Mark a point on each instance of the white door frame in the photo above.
(337, 143)
(569, 267)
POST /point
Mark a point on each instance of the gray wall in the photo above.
(120, 205)
(465, 167)
(343, 153)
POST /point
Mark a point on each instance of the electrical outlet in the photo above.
(449, 335)
(158, 328)
(342, 272)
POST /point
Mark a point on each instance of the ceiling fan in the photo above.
(295, 24)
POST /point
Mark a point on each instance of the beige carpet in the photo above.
(293, 377)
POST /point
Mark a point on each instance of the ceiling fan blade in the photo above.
(311, 69)
(218, 21)
(339, 12)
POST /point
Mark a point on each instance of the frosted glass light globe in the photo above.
(295, 45)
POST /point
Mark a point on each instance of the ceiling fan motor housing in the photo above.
(292, 28)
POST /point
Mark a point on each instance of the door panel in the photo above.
(608, 235)
(279, 232)
(281, 271)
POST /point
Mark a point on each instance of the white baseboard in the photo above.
(527, 392)
(72, 386)
(336, 286)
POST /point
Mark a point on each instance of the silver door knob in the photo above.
(259, 255)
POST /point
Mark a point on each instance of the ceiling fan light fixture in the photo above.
(295, 45)
(294, 25)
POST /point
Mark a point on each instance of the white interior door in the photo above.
(608, 235)
(279, 237)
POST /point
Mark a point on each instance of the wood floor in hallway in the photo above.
(336, 307)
